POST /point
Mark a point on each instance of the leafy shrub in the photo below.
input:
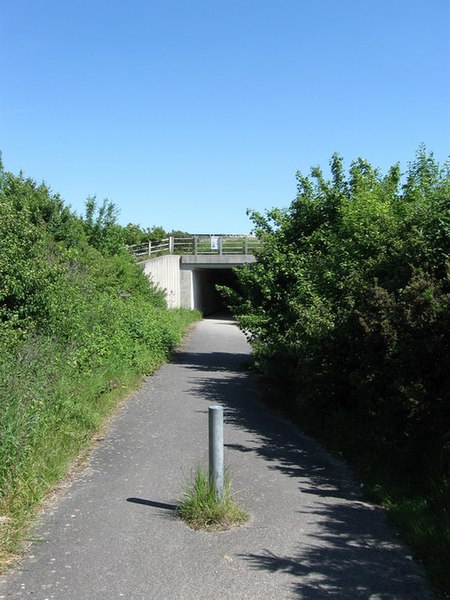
(348, 312)
(350, 299)
(79, 325)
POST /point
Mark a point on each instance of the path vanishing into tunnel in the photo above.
(114, 534)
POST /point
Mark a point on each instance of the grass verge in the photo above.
(421, 514)
(52, 409)
(202, 510)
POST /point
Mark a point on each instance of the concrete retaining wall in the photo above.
(164, 272)
(189, 280)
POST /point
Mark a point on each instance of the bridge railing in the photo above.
(198, 244)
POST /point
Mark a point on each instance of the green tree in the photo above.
(349, 302)
(101, 227)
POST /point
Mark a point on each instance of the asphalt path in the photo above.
(114, 532)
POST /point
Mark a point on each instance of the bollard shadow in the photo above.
(153, 504)
(352, 553)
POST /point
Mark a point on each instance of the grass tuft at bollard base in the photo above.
(201, 509)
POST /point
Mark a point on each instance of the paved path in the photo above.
(114, 533)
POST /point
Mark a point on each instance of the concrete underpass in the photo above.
(190, 281)
(206, 297)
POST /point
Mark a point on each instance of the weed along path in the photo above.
(114, 532)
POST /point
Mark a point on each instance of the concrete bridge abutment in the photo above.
(189, 280)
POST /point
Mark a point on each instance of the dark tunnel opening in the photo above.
(206, 297)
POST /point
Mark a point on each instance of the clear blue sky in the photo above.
(185, 113)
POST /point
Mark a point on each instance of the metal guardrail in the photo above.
(198, 244)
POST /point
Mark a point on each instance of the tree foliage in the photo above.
(54, 266)
(349, 302)
(78, 320)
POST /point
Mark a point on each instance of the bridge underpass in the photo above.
(189, 280)
(189, 268)
(204, 282)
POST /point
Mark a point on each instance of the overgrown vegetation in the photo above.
(201, 509)
(134, 235)
(79, 326)
(349, 307)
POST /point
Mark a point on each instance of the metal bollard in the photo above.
(215, 423)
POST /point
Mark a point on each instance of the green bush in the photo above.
(349, 307)
(79, 326)
(350, 299)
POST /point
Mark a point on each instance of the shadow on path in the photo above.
(352, 553)
(152, 503)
